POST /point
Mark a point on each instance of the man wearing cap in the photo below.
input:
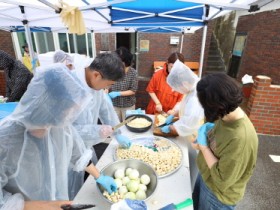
(26, 59)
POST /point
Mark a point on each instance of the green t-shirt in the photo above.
(235, 144)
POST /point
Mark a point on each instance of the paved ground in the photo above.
(263, 190)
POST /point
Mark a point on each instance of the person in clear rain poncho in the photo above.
(101, 73)
(191, 114)
(39, 145)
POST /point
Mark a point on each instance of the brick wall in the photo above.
(105, 42)
(6, 43)
(160, 49)
(264, 106)
(142, 97)
(262, 49)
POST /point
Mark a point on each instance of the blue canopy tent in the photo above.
(158, 14)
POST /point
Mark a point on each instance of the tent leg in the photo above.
(93, 45)
(182, 42)
(29, 42)
(202, 50)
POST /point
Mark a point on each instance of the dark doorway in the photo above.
(239, 45)
(128, 40)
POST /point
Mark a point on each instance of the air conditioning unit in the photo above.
(174, 40)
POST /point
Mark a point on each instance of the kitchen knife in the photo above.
(124, 122)
(76, 206)
(181, 205)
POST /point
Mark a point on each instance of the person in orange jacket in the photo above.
(163, 98)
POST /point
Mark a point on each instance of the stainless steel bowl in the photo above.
(142, 167)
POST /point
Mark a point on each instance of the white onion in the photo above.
(118, 182)
(132, 186)
(123, 190)
(134, 174)
(125, 180)
(142, 187)
(145, 179)
(119, 174)
(140, 195)
(128, 171)
(130, 195)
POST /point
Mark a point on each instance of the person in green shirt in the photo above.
(227, 145)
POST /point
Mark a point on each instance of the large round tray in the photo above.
(148, 141)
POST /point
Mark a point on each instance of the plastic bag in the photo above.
(247, 79)
(128, 204)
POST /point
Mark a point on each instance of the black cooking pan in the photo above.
(139, 130)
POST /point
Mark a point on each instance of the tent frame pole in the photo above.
(202, 49)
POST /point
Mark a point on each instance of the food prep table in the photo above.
(174, 188)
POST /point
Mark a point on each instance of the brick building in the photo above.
(260, 55)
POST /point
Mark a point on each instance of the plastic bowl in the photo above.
(139, 130)
(142, 167)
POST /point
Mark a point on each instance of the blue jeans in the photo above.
(204, 199)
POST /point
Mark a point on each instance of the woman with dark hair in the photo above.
(228, 145)
(163, 98)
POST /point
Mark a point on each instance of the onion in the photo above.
(119, 174)
(132, 186)
(145, 179)
(142, 187)
(134, 174)
(118, 182)
(128, 171)
(125, 180)
(140, 195)
(123, 190)
(130, 195)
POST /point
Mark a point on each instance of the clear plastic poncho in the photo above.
(191, 114)
(35, 167)
(98, 108)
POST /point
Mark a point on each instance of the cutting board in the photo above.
(157, 131)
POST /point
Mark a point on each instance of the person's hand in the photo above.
(202, 133)
(108, 183)
(105, 131)
(158, 107)
(45, 205)
(171, 112)
(165, 129)
(138, 111)
(114, 94)
(169, 119)
(123, 141)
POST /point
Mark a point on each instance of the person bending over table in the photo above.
(39, 145)
(190, 113)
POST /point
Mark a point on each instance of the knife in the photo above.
(76, 206)
(181, 205)
(124, 122)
